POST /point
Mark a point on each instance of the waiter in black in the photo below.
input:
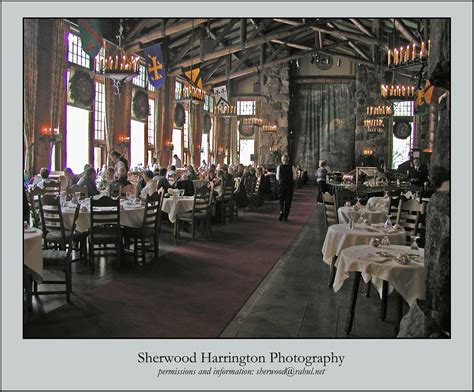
(285, 175)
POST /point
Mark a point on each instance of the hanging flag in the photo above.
(221, 95)
(155, 66)
(91, 36)
(194, 76)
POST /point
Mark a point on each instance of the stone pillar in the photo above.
(275, 91)
(432, 317)
(368, 81)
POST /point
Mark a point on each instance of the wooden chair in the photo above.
(150, 229)
(54, 232)
(59, 258)
(201, 211)
(273, 187)
(104, 226)
(330, 209)
(52, 187)
(257, 194)
(330, 213)
(70, 192)
(227, 203)
(249, 184)
(411, 217)
(344, 195)
(33, 201)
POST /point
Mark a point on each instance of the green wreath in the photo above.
(81, 88)
(140, 106)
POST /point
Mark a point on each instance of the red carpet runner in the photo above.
(194, 291)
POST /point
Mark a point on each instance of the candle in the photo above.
(422, 49)
(403, 91)
(413, 55)
(367, 110)
(401, 54)
(407, 54)
(388, 60)
(396, 56)
(429, 47)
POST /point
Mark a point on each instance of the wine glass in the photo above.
(386, 241)
(388, 222)
(414, 244)
(358, 202)
(374, 242)
(128, 195)
(133, 198)
(181, 192)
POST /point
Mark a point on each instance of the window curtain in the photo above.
(324, 126)
(30, 69)
(58, 68)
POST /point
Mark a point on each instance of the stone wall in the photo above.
(275, 103)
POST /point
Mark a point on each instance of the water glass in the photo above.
(348, 204)
(388, 222)
(128, 195)
(181, 192)
(414, 244)
(358, 202)
(133, 198)
(374, 242)
(386, 241)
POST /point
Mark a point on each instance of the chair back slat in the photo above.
(33, 201)
(51, 215)
(152, 213)
(411, 216)
(52, 187)
(330, 209)
(104, 211)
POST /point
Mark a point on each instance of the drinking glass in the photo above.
(414, 244)
(374, 242)
(128, 195)
(386, 241)
(181, 192)
(358, 202)
(388, 222)
(133, 198)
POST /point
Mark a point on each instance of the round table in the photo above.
(175, 205)
(340, 237)
(131, 216)
(373, 216)
(408, 280)
(33, 250)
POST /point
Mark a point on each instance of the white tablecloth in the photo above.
(177, 205)
(376, 216)
(340, 237)
(408, 280)
(129, 216)
(378, 202)
(33, 250)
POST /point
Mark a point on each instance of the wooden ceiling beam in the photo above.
(134, 44)
(136, 29)
(352, 45)
(400, 26)
(361, 27)
(282, 33)
(336, 33)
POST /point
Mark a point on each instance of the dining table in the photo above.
(372, 214)
(391, 267)
(131, 215)
(33, 250)
(175, 205)
(341, 236)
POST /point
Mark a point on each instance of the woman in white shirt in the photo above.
(150, 184)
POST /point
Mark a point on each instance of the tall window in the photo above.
(75, 53)
(140, 80)
(401, 147)
(137, 143)
(246, 108)
(99, 111)
(151, 123)
(177, 144)
(77, 138)
(205, 147)
(186, 130)
(178, 90)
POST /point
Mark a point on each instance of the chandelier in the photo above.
(226, 110)
(119, 67)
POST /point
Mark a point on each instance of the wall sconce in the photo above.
(199, 149)
(124, 141)
(220, 152)
(169, 147)
(51, 135)
(274, 148)
(367, 152)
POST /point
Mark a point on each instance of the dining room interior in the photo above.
(236, 178)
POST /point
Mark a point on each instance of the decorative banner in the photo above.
(194, 76)
(221, 96)
(91, 36)
(155, 66)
